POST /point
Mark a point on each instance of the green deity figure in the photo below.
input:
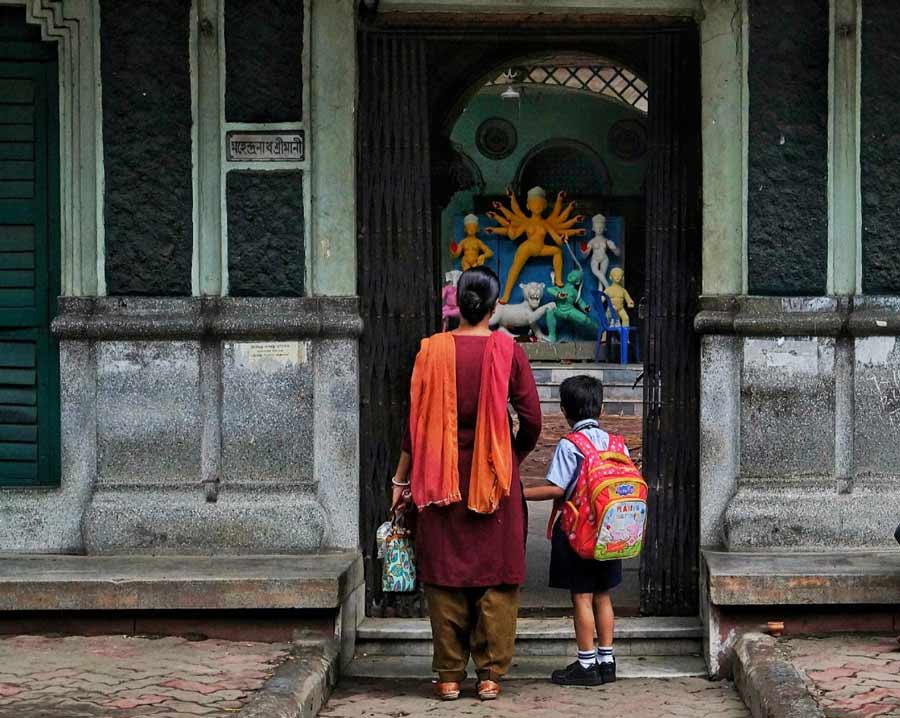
(569, 308)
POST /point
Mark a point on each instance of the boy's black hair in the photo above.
(581, 397)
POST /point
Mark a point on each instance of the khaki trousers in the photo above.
(476, 622)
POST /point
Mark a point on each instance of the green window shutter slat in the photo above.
(16, 260)
(16, 114)
(17, 355)
(14, 279)
(18, 377)
(16, 170)
(16, 238)
(15, 212)
(20, 92)
(16, 150)
(16, 415)
(14, 473)
(18, 452)
(16, 133)
(22, 397)
(16, 190)
(19, 434)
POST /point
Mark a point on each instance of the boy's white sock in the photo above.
(605, 654)
(587, 658)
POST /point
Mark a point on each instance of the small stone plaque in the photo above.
(274, 146)
(260, 355)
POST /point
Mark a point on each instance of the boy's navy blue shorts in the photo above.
(579, 575)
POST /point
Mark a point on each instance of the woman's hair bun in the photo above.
(476, 293)
(470, 301)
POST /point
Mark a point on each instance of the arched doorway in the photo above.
(415, 82)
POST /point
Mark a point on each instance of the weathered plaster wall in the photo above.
(147, 146)
(265, 234)
(788, 151)
(880, 147)
(263, 71)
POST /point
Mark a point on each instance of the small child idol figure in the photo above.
(474, 252)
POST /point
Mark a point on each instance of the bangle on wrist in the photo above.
(399, 483)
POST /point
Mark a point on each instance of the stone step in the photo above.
(634, 637)
(529, 667)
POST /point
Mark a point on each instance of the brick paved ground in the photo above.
(682, 698)
(124, 677)
(850, 676)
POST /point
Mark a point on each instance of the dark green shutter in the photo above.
(29, 274)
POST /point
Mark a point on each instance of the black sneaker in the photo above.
(607, 671)
(576, 675)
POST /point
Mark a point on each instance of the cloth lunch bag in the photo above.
(396, 548)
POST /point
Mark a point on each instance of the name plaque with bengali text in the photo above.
(266, 146)
(270, 355)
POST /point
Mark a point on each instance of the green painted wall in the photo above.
(540, 115)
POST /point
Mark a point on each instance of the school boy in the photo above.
(588, 581)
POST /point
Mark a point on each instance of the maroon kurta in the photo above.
(456, 547)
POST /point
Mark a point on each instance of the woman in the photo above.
(460, 464)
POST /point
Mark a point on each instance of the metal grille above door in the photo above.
(670, 559)
(396, 269)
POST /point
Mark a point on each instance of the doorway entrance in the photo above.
(431, 117)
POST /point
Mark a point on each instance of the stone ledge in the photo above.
(113, 583)
(144, 318)
(798, 316)
(803, 578)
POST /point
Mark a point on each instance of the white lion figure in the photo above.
(526, 313)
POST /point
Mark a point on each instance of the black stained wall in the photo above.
(788, 153)
(265, 234)
(147, 146)
(263, 60)
(880, 149)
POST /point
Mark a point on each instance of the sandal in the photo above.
(488, 690)
(446, 691)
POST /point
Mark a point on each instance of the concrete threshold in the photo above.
(538, 628)
(112, 583)
(539, 637)
(529, 667)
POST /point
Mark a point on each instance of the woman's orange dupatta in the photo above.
(433, 426)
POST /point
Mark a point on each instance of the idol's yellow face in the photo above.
(471, 228)
(536, 204)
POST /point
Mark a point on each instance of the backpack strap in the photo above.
(587, 449)
(583, 444)
(616, 444)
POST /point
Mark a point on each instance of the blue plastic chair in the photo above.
(603, 311)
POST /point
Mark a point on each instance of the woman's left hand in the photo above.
(400, 495)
